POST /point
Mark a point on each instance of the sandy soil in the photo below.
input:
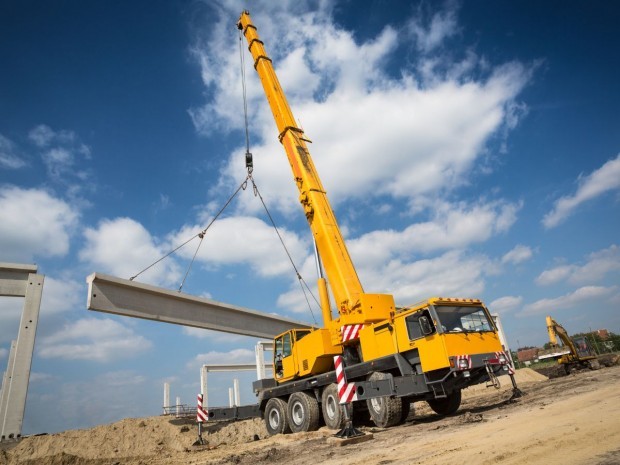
(574, 419)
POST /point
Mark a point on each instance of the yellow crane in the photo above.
(394, 355)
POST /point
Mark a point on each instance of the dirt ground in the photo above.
(573, 419)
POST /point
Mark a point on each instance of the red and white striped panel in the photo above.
(350, 332)
(511, 370)
(201, 413)
(463, 357)
(346, 391)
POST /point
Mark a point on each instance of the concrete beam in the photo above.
(129, 298)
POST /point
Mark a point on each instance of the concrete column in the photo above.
(236, 388)
(231, 401)
(166, 397)
(16, 390)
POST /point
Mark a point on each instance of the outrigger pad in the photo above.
(348, 431)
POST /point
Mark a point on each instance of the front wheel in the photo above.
(333, 412)
(384, 411)
(448, 405)
(303, 412)
(276, 420)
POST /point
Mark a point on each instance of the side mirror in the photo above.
(425, 325)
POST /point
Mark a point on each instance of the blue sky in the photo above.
(469, 149)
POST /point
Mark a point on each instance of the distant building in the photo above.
(528, 355)
(602, 333)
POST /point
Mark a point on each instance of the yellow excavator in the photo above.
(580, 354)
(393, 354)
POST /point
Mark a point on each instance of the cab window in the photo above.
(414, 328)
(286, 345)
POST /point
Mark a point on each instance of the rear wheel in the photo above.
(333, 412)
(275, 417)
(384, 411)
(303, 412)
(447, 405)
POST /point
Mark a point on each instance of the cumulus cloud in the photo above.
(453, 226)
(34, 223)
(505, 304)
(431, 34)
(604, 179)
(431, 136)
(580, 297)
(244, 240)
(99, 340)
(4, 352)
(452, 274)
(9, 158)
(123, 247)
(519, 254)
(597, 266)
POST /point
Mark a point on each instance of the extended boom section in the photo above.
(353, 306)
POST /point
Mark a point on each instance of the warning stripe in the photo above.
(511, 370)
(346, 391)
(350, 332)
(463, 357)
(201, 413)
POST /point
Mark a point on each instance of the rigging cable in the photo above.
(201, 234)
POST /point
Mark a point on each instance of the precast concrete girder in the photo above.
(129, 298)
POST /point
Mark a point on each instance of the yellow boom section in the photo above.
(343, 279)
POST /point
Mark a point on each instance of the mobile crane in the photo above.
(580, 353)
(394, 355)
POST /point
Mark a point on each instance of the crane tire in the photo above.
(384, 411)
(333, 412)
(303, 412)
(276, 417)
(448, 405)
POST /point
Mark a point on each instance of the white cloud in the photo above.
(244, 240)
(100, 340)
(580, 297)
(505, 304)
(453, 226)
(62, 295)
(9, 158)
(453, 274)
(123, 247)
(519, 254)
(34, 223)
(4, 352)
(210, 335)
(598, 265)
(600, 181)
(41, 135)
(430, 137)
(442, 25)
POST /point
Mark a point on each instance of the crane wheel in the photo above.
(384, 411)
(303, 412)
(447, 405)
(276, 419)
(333, 413)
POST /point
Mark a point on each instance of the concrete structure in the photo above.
(124, 297)
(260, 368)
(18, 280)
